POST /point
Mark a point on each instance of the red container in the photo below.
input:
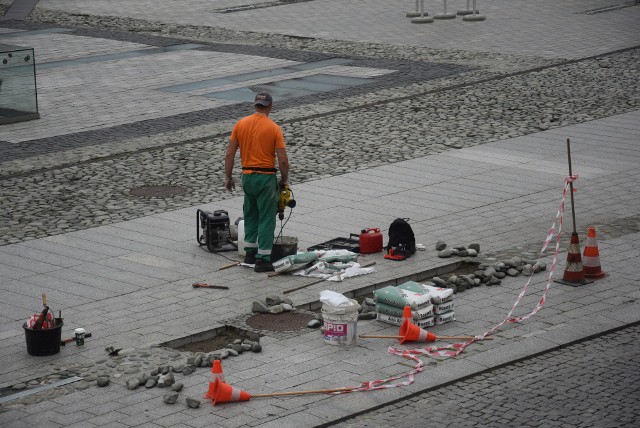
(370, 241)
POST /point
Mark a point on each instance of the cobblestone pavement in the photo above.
(595, 383)
(437, 101)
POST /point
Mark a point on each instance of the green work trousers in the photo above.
(260, 207)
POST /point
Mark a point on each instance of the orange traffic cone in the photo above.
(574, 271)
(225, 393)
(412, 333)
(591, 261)
(406, 313)
(216, 374)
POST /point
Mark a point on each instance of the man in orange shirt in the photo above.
(260, 140)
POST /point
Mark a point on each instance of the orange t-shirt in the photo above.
(258, 138)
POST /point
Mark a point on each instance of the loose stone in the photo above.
(313, 324)
(193, 403)
(133, 383)
(472, 253)
(367, 316)
(170, 398)
(273, 300)
(494, 281)
(259, 307)
(256, 347)
(440, 245)
(277, 309)
(444, 254)
(177, 387)
(150, 383)
(513, 272)
(474, 246)
(103, 381)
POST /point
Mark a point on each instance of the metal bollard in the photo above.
(445, 15)
(423, 18)
(416, 13)
(466, 11)
(474, 16)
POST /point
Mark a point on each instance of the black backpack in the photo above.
(402, 241)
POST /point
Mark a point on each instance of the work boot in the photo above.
(263, 266)
(250, 258)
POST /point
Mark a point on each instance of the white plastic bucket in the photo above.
(340, 323)
(241, 238)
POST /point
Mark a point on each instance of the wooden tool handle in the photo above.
(229, 266)
(376, 336)
(203, 285)
(315, 391)
(44, 299)
(461, 337)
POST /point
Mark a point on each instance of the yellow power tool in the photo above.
(285, 200)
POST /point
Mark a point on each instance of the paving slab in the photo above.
(129, 282)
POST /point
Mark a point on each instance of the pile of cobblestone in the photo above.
(149, 367)
(488, 273)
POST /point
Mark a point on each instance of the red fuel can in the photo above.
(370, 241)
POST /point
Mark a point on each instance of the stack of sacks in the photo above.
(429, 304)
(390, 303)
(442, 299)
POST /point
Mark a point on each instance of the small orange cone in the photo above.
(574, 271)
(216, 374)
(225, 393)
(406, 313)
(591, 261)
(412, 333)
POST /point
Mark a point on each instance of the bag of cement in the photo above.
(343, 256)
(442, 308)
(444, 318)
(438, 295)
(390, 319)
(398, 297)
(294, 262)
(395, 311)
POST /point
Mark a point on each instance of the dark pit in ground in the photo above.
(220, 341)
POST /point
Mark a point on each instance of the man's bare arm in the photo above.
(283, 164)
(229, 160)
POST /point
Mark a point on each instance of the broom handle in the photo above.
(315, 391)
(373, 336)
(229, 265)
(461, 337)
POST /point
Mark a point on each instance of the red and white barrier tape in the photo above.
(456, 348)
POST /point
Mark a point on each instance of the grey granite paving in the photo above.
(467, 137)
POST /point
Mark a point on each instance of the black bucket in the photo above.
(44, 341)
(284, 246)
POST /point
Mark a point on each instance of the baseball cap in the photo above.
(263, 99)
